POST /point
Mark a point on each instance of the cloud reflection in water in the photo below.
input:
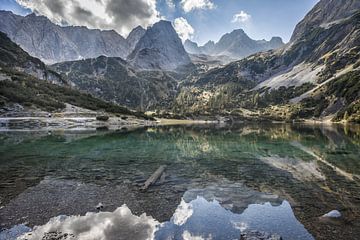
(198, 219)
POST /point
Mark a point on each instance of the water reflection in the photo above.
(209, 220)
(215, 212)
(314, 168)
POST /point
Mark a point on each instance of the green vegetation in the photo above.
(102, 118)
(282, 95)
(12, 55)
(30, 91)
(111, 79)
(344, 91)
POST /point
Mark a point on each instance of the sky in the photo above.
(197, 20)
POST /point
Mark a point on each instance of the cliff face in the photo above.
(134, 36)
(324, 14)
(159, 48)
(43, 39)
(13, 57)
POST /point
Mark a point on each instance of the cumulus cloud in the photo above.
(183, 28)
(241, 17)
(183, 212)
(120, 224)
(120, 15)
(189, 5)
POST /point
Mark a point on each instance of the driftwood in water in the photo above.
(152, 179)
(162, 178)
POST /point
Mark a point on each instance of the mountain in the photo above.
(298, 78)
(192, 47)
(134, 37)
(43, 39)
(28, 88)
(114, 80)
(235, 45)
(13, 57)
(159, 48)
(326, 13)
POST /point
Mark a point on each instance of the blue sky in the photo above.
(268, 17)
(11, 5)
(209, 19)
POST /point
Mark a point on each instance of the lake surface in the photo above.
(220, 182)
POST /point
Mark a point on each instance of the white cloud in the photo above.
(183, 212)
(170, 4)
(120, 224)
(120, 15)
(241, 17)
(183, 28)
(189, 5)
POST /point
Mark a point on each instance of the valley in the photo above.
(179, 120)
(292, 82)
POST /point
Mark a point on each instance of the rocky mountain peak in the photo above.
(134, 37)
(236, 44)
(276, 40)
(190, 46)
(159, 48)
(209, 43)
(325, 12)
(238, 32)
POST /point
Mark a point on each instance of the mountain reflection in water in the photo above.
(234, 171)
(196, 219)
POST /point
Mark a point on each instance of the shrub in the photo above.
(102, 118)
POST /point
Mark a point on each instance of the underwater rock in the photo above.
(99, 206)
(332, 214)
(258, 235)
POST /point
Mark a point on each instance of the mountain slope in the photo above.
(235, 44)
(13, 57)
(134, 36)
(325, 13)
(20, 87)
(114, 80)
(159, 48)
(324, 47)
(41, 38)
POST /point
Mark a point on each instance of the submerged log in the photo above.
(154, 177)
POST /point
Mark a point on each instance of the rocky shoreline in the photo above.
(79, 123)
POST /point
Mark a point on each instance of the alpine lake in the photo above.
(220, 182)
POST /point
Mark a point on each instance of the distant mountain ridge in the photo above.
(52, 43)
(157, 47)
(236, 44)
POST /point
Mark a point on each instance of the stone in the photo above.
(258, 235)
(332, 214)
(99, 206)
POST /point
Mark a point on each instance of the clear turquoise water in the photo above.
(274, 178)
